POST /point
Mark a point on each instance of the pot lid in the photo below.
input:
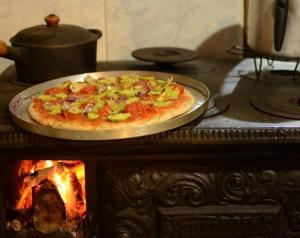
(54, 35)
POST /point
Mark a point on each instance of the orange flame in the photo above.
(68, 176)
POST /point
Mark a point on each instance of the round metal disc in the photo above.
(164, 55)
(18, 107)
(276, 107)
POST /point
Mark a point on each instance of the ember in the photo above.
(53, 192)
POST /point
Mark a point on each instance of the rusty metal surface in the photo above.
(240, 123)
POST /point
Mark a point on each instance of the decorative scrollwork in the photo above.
(139, 187)
(268, 179)
(128, 224)
(191, 189)
(235, 185)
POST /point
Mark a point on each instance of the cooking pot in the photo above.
(53, 50)
(273, 28)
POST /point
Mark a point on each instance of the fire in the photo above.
(68, 176)
(48, 163)
(62, 186)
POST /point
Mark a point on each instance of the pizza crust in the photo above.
(165, 115)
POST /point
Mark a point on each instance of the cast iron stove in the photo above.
(232, 173)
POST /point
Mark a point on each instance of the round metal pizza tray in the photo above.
(19, 104)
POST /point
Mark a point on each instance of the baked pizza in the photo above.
(119, 102)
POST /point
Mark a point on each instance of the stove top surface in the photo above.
(233, 108)
(280, 93)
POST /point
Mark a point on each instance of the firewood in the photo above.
(49, 212)
(40, 175)
(36, 178)
(16, 225)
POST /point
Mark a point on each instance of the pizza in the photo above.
(112, 102)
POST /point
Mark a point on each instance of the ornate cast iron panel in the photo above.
(233, 196)
(231, 221)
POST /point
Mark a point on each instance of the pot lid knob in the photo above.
(52, 20)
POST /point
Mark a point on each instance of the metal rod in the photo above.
(295, 71)
(258, 69)
(270, 61)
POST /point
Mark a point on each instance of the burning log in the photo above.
(49, 212)
(51, 197)
(43, 174)
(35, 179)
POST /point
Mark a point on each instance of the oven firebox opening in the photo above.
(49, 198)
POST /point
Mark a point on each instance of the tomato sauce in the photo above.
(104, 111)
(89, 90)
(56, 90)
(140, 111)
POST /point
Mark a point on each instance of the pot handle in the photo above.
(3, 48)
(238, 50)
(97, 32)
(13, 53)
(52, 20)
(281, 13)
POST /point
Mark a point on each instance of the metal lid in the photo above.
(54, 35)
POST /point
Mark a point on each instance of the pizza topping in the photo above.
(46, 97)
(75, 108)
(162, 103)
(48, 106)
(61, 95)
(93, 116)
(102, 88)
(119, 117)
(99, 105)
(155, 91)
(55, 90)
(65, 106)
(90, 81)
(111, 92)
(144, 85)
(56, 109)
(171, 93)
(129, 92)
(64, 84)
(132, 100)
(76, 87)
(116, 107)
(169, 82)
(53, 109)
(113, 99)
(71, 98)
(128, 80)
(87, 108)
